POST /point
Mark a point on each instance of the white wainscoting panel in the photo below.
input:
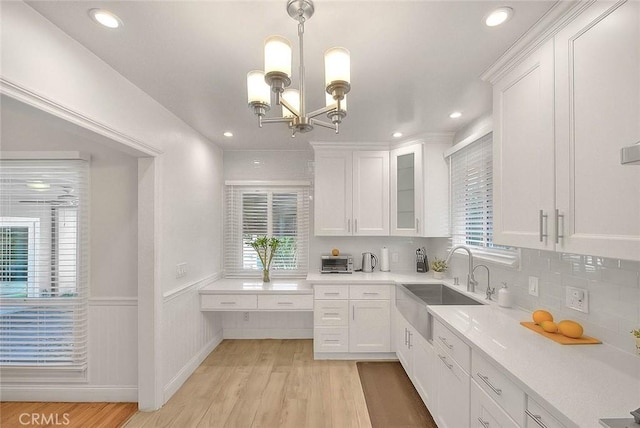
(188, 335)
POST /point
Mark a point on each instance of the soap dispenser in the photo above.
(505, 299)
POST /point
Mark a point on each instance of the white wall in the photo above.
(43, 65)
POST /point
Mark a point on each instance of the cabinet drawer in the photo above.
(331, 291)
(331, 313)
(453, 345)
(286, 302)
(230, 302)
(485, 413)
(538, 417)
(504, 392)
(369, 292)
(331, 339)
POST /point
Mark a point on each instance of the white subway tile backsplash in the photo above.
(620, 276)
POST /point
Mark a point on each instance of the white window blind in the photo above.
(43, 263)
(273, 211)
(472, 201)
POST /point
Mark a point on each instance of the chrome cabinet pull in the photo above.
(349, 225)
(370, 294)
(353, 312)
(485, 379)
(417, 225)
(444, 360)
(536, 418)
(285, 303)
(406, 335)
(227, 303)
(558, 217)
(409, 344)
(332, 293)
(444, 340)
(544, 220)
(329, 314)
(484, 423)
(355, 222)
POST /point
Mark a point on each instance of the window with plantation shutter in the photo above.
(472, 201)
(43, 264)
(280, 211)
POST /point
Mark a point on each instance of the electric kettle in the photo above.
(369, 261)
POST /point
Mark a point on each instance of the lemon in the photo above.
(549, 326)
(542, 315)
(570, 329)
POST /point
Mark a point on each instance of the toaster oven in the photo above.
(337, 264)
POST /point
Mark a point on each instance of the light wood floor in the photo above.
(264, 383)
(68, 415)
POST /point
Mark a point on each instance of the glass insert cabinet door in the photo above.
(406, 191)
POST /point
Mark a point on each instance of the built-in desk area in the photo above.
(251, 294)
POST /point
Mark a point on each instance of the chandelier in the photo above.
(276, 77)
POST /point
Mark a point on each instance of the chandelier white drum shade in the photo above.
(276, 78)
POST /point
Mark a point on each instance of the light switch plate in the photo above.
(533, 286)
(577, 298)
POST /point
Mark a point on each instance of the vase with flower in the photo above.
(266, 248)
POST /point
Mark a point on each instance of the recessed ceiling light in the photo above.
(498, 16)
(38, 185)
(257, 162)
(455, 115)
(228, 134)
(396, 134)
(105, 18)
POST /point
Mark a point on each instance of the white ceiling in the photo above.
(412, 62)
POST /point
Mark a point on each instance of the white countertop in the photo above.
(583, 383)
(256, 286)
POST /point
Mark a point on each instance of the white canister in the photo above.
(505, 299)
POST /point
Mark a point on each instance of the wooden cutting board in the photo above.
(557, 337)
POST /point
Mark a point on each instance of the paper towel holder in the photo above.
(384, 259)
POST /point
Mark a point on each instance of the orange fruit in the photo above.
(542, 315)
(570, 329)
(549, 326)
(335, 252)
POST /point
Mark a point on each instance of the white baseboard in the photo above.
(360, 356)
(268, 333)
(70, 393)
(180, 378)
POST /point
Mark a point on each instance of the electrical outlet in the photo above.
(577, 299)
(394, 257)
(246, 316)
(181, 270)
(533, 286)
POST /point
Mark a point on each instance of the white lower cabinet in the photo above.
(485, 413)
(452, 396)
(369, 326)
(359, 324)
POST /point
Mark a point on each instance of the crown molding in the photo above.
(556, 18)
(31, 98)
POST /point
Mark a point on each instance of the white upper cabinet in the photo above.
(333, 193)
(560, 120)
(523, 153)
(351, 192)
(420, 190)
(597, 63)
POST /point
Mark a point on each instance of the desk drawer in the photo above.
(229, 302)
(285, 302)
